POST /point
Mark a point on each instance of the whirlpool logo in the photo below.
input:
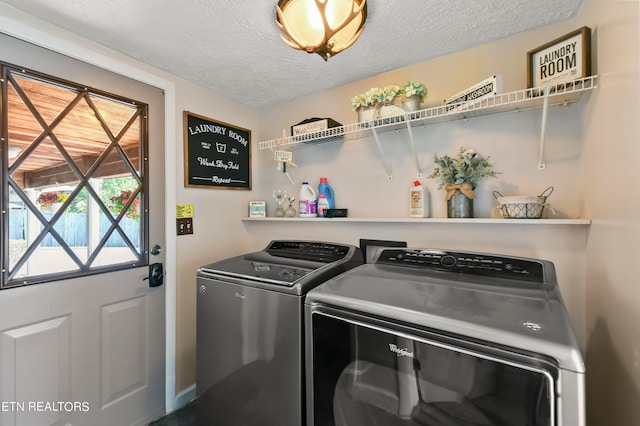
(400, 351)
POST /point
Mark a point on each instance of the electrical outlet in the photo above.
(185, 226)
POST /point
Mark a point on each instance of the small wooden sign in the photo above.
(562, 60)
(216, 154)
(487, 88)
(257, 208)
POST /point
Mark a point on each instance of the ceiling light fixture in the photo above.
(325, 27)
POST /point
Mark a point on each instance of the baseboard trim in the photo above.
(185, 396)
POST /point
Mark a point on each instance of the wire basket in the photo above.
(523, 207)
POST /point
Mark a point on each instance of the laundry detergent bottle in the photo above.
(323, 205)
(308, 201)
(326, 198)
(418, 200)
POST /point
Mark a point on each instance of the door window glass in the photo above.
(73, 180)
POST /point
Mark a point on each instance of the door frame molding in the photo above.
(25, 27)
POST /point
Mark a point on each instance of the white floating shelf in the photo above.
(474, 221)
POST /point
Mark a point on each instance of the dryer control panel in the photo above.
(465, 262)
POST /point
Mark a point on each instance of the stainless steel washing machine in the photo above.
(436, 337)
(249, 350)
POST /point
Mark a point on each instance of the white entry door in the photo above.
(87, 350)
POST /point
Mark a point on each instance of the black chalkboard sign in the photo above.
(216, 154)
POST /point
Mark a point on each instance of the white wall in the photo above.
(610, 162)
(216, 225)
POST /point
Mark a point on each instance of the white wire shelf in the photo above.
(508, 102)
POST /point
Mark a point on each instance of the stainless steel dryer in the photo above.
(433, 337)
(249, 351)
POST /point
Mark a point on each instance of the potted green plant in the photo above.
(377, 102)
(387, 101)
(459, 176)
(414, 93)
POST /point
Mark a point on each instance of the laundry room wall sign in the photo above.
(562, 60)
(216, 154)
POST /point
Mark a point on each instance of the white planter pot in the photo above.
(411, 103)
(379, 111)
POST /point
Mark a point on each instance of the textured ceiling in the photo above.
(234, 48)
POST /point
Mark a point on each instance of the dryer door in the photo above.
(367, 372)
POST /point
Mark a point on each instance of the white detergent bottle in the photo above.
(308, 201)
(323, 205)
(418, 200)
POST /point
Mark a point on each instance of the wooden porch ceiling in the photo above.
(43, 117)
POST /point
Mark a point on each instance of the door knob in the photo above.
(156, 275)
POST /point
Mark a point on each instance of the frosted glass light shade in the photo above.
(325, 27)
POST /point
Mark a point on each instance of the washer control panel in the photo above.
(308, 250)
(466, 263)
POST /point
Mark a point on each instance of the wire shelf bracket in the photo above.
(543, 128)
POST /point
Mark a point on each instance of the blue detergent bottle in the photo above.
(327, 192)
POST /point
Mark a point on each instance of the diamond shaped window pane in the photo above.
(83, 146)
(116, 249)
(44, 168)
(115, 114)
(30, 254)
(48, 99)
(46, 260)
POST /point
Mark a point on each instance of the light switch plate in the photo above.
(184, 226)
